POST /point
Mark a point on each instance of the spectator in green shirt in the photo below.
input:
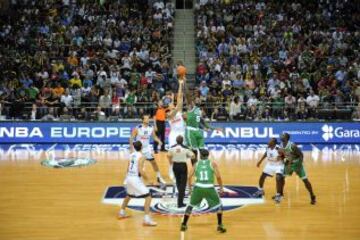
(32, 92)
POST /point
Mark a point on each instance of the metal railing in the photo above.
(92, 111)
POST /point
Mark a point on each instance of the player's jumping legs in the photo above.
(191, 143)
(155, 166)
(189, 138)
(199, 144)
(156, 169)
(195, 141)
(200, 140)
(195, 158)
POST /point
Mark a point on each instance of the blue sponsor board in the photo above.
(234, 133)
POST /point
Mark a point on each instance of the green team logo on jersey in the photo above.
(68, 162)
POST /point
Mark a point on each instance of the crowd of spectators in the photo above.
(258, 60)
(85, 58)
(266, 60)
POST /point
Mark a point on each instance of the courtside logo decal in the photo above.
(164, 201)
(68, 162)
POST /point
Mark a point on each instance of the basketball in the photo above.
(181, 71)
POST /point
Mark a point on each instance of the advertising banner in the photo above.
(233, 132)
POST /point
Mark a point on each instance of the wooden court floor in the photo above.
(41, 203)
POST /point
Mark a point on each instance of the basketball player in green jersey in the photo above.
(195, 125)
(294, 163)
(204, 171)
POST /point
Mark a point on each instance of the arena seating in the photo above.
(60, 58)
(257, 60)
(298, 58)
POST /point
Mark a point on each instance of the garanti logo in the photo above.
(327, 132)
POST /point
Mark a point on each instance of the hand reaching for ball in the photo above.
(182, 80)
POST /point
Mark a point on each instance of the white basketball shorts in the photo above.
(135, 187)
(148, 153)
(272, 169)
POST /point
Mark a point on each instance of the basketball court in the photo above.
(41, 202)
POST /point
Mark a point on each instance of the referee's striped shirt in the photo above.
(180, 153)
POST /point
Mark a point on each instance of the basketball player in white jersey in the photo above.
(274, 166)
(143, 133)
(135, 187)
(176, 122)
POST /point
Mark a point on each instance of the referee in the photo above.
(159, 118)
(178, 156)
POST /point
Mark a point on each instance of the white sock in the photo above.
(146, 218)
(158, 174)
(260, 188)
(122, 212)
